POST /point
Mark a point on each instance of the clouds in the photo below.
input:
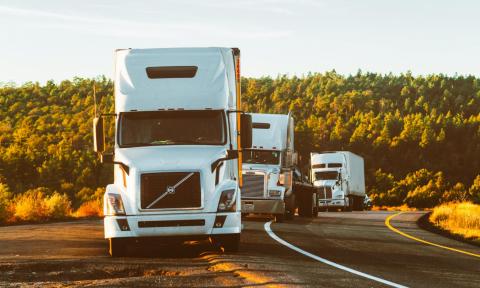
(61, 39)
(132, 26)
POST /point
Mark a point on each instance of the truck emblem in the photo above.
(170, 190)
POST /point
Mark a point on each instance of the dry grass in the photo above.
(93, 208)
(458, 218)
(404, 207)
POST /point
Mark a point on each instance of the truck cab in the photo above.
(340, 180)
(177, 170)
(268, 166)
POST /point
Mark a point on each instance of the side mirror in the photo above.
(246, 130)
(231, 154)
(98, 135)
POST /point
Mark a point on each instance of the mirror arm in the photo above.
(124, 166)
(231, 154)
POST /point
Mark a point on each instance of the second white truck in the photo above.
(340, 179)
(268, 166)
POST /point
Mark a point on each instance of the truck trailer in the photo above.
(268, 166)
(340, 179)
(177, 151)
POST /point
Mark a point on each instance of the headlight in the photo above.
(227, 201)
(274, 193)
(281, 179)
(115, 204)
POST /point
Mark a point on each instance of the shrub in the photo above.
(458, 193)
(85, 194)
(93, 208)
(382, 182)
(474, 190)
(58, 206)
(426, 196)
(5, 200)
(30, 206)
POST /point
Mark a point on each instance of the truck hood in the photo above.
(172, 157)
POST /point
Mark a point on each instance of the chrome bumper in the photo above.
(331, 202)
(263, 206)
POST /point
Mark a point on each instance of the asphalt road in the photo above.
(74, 254)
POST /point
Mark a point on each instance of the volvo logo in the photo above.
(171, 189)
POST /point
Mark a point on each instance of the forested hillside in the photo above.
(420, 136)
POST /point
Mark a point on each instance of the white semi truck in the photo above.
(179, 132)
(268, 166)
(340, 180)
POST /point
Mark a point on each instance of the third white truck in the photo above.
(340, 178)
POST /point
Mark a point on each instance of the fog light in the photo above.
(123, 224)
(219, 220)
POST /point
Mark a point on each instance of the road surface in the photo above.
(351, 249)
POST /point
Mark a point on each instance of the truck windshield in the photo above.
(261, 157)
(172, 128)
(326, 175)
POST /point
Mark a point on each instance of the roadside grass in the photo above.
(460, 218)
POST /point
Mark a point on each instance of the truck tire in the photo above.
(358, 203)
(117, 247)
(351, 203)
(315, 207)
(229, 242)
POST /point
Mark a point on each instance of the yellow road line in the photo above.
(387, 223)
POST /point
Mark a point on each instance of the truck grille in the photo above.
(253, 186)
(167, 190)
(325, 192)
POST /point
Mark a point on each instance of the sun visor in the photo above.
(269, 130)
(172, 78)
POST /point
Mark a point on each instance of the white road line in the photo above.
(328, 262)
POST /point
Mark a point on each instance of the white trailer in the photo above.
(340, 179)
(178, 133)
(268, 166)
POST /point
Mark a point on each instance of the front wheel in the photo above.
(290, 207)
(229, 242)
(117, 247)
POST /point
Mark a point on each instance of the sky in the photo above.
(62, 39)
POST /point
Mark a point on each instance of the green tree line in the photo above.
(419, 135)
